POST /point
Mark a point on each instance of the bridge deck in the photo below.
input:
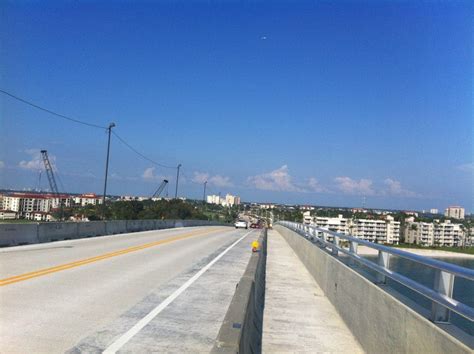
(298, 317)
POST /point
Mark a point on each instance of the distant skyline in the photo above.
(325, 103)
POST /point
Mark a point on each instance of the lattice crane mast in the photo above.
(51, 179)
(160, 188)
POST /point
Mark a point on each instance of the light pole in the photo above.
(177, 181)
(204, 195)
(109, 129)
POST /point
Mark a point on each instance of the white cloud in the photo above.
(277, 180)
(35, 162)
(200, 177)
(2, 164)
(395, 188)
(315, 186)
(350, 186)
(220, 181)
(467, 167)
(149, 174)
(217, 180)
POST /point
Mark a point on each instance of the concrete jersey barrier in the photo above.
(24, 234)
(379, 320)
(241, 330)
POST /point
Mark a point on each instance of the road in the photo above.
(156, 290)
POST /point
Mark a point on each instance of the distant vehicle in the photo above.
(241, 224)
(253, 226)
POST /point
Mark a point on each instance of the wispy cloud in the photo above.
(394, 188)
(216, 180)
(315, 186)
(2, 164)
(466, 167)
(276, 180)
(348, 185)
(148, 175)
(35, 162)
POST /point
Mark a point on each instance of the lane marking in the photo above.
(61, 267)
(124, 338)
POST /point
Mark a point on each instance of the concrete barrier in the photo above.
(91, 229)
(241, 331)
(18, 234)
(377, 317)
(115, 227)
(57, 231)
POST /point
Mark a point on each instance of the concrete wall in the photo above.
(18, 234)
(380, 322)
(21, 234)
(241, 330)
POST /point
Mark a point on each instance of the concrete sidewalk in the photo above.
(298, 317)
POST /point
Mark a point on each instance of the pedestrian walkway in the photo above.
(298, 317)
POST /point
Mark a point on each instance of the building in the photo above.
(455, 212)
(229, 200)
(434, 211)
(87, 199)
(8, 214)
(214, 199)
(22, 203)
(380, 230)
(435, 234)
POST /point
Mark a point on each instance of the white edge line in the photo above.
(124, 338)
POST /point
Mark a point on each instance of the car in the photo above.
(241, 224)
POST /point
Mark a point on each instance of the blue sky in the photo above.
(308, 102)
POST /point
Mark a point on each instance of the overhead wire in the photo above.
(50, 111)
(140, 154)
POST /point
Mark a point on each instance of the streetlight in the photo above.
(177, 180)
(109, 129)
(204, 195)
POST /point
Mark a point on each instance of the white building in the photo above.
(456, 212)
(8, 215)
(380, 231)
(435, 233)
(87, 199)
(229, 200)
(23, 203)
(434, 211)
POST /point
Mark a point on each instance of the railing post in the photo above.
(353, 249)
(443, 284)
(383, 261)
(335, 241)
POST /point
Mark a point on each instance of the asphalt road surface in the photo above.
(164, 290)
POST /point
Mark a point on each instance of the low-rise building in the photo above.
(8, 215)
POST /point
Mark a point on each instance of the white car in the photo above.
(241, 223)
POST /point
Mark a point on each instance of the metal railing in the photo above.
(445, 273)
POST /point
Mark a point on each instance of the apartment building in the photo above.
(23, 203)
(435, 233)
(380, 231)
(229, 200)
(87, 199)
(456, 212)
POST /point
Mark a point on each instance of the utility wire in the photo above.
(51, 112)
(140, 154)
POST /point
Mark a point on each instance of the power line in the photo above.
(140, 154)
(51, 112)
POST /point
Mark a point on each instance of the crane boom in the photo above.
(52, 180)
(49, 172)
(160, 188)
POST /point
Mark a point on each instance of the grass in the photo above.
(466, 250)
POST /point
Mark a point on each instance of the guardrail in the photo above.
(442, 294)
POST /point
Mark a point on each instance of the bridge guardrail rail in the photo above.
(441, 296)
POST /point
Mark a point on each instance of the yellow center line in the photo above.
(58, 268)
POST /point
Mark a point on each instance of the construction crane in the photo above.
(51, 179)
(160, 188)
